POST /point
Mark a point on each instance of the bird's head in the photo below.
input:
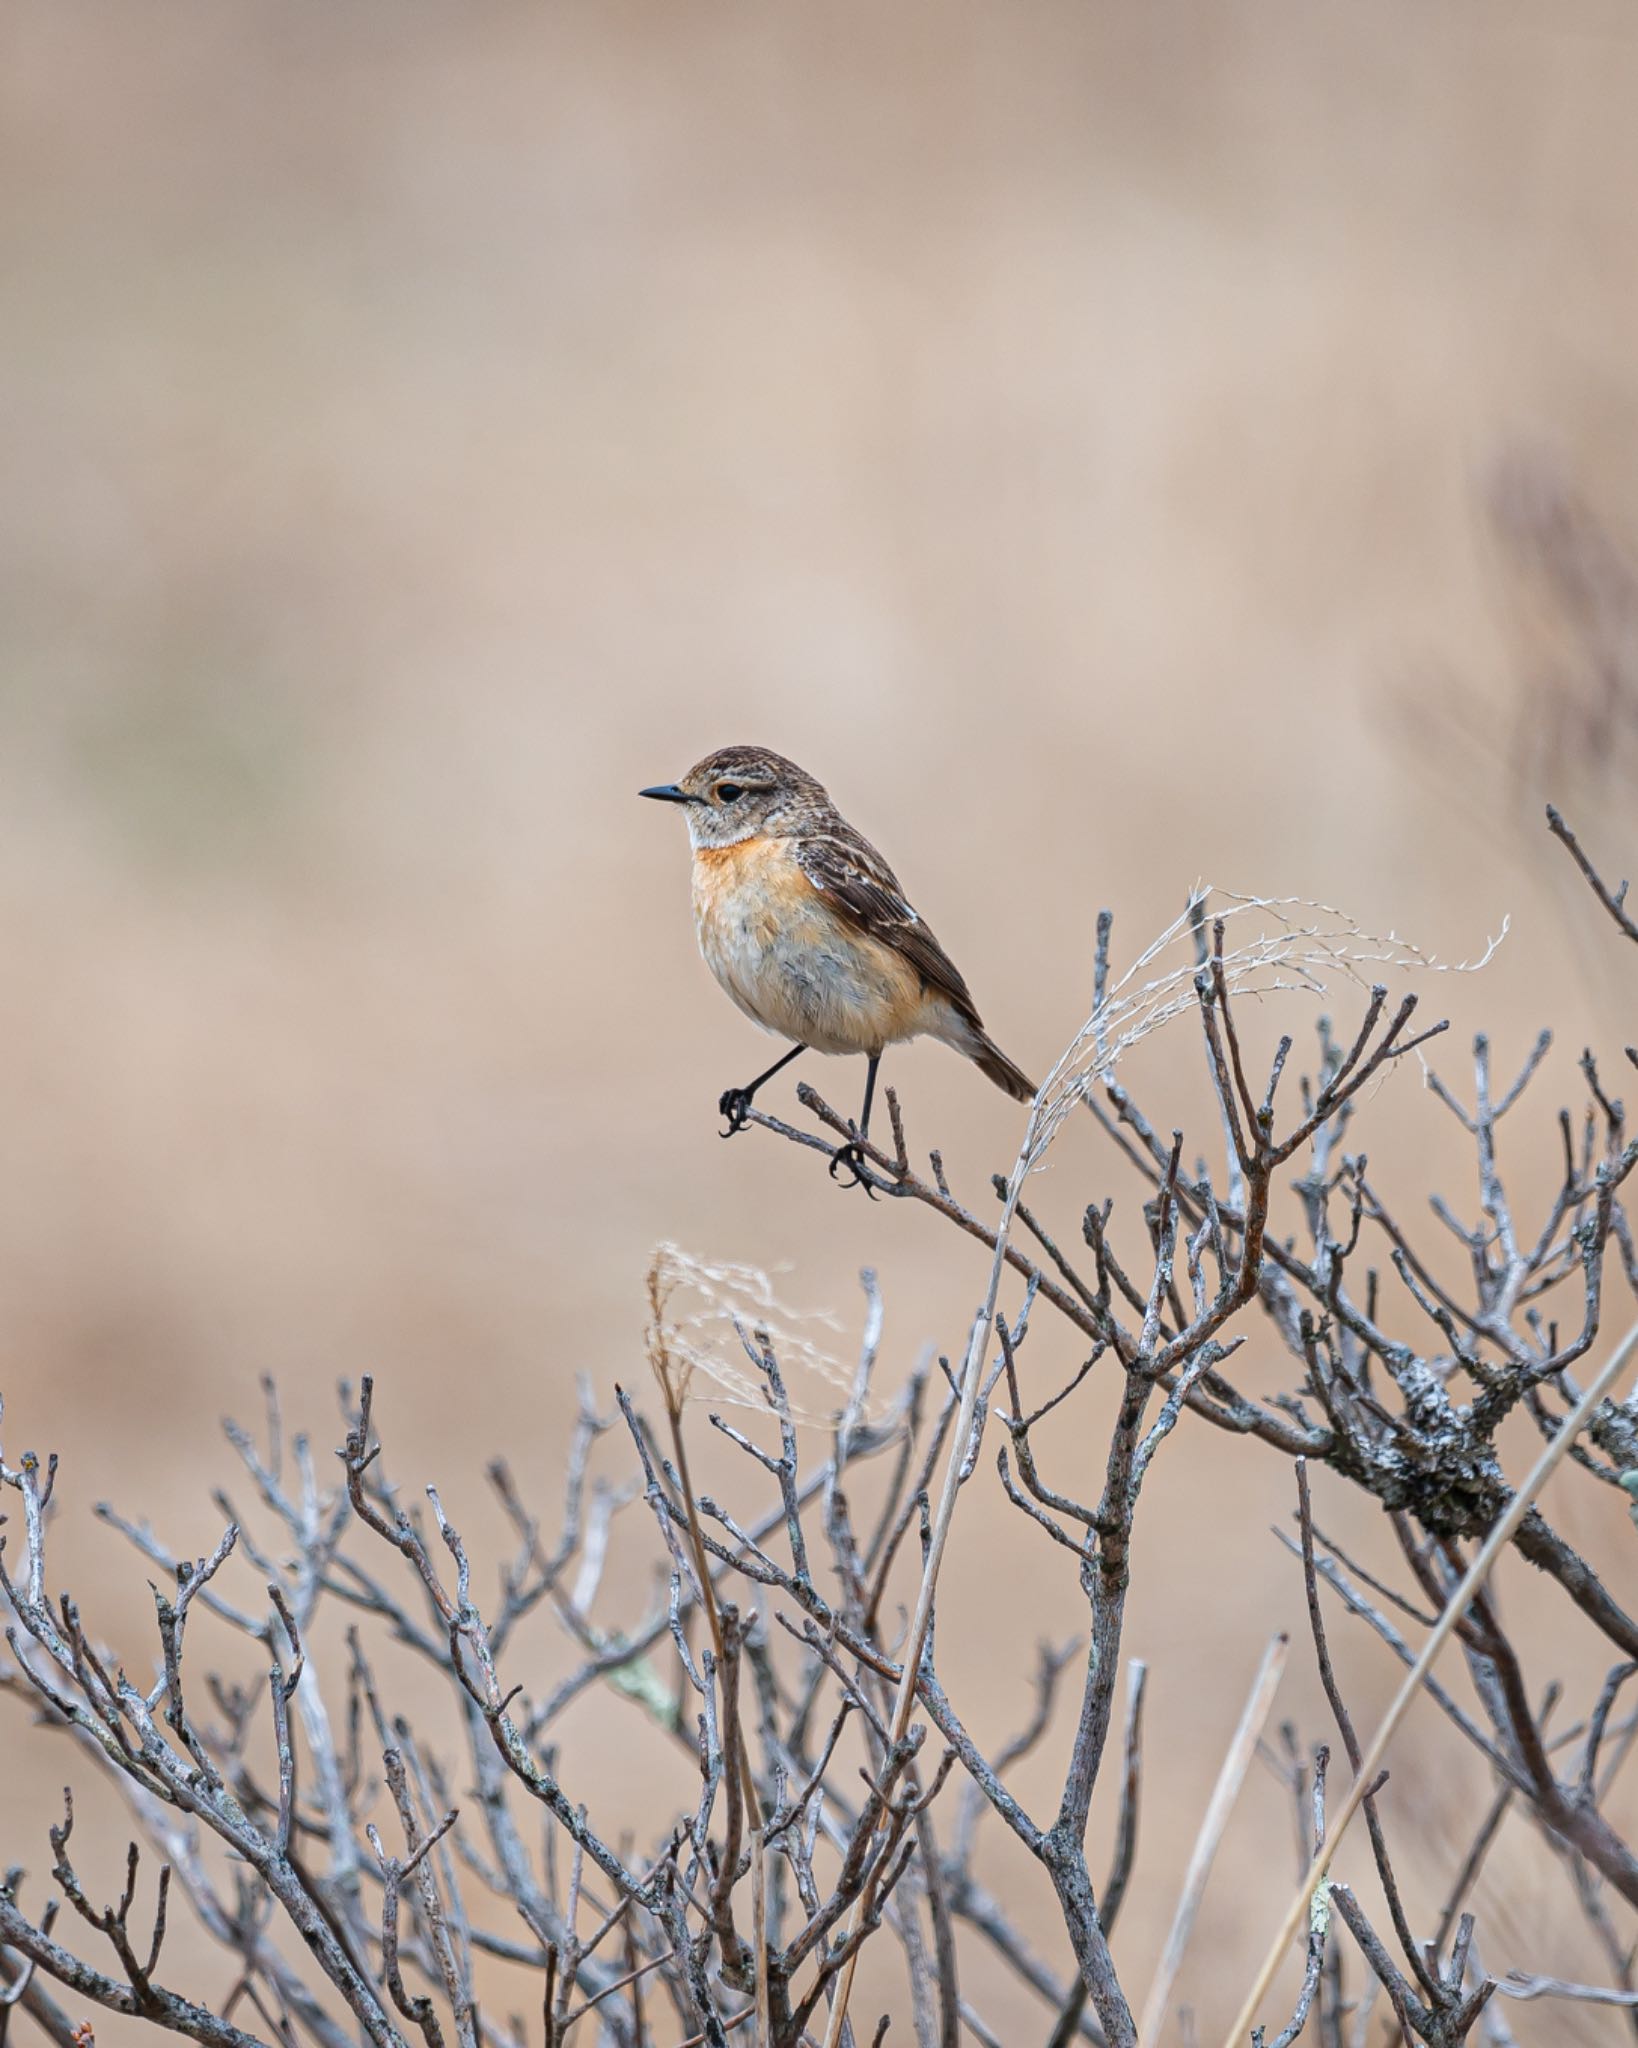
(741, 793)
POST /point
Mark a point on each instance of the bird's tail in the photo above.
(989, 1059)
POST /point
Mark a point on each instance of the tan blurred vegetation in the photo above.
(1066, 430)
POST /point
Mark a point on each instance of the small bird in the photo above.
(806, 927)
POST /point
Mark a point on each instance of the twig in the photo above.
(1613, 901)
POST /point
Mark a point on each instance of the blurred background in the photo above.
(1109, 446)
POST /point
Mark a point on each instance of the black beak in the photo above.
(667, 793)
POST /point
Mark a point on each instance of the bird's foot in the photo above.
(734, 1104)
(852, 1156)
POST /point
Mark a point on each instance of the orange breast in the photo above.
(790, 961)
(740, 874)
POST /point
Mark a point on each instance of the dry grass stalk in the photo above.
(1236, 1763)
(672, 1375)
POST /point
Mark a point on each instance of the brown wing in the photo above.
(850, 874)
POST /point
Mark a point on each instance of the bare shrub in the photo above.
(389, 1842)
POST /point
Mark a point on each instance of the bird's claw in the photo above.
(734, 1104)
(852, 1156)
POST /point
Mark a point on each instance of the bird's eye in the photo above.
(727, 792)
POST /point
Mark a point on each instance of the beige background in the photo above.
(1064, 428)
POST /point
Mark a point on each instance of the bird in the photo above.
(808, 931)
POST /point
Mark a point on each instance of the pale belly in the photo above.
(804, 976)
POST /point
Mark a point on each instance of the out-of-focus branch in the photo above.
(1613, 900)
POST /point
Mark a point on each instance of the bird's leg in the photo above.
(851, 1155)
(734, 1102)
